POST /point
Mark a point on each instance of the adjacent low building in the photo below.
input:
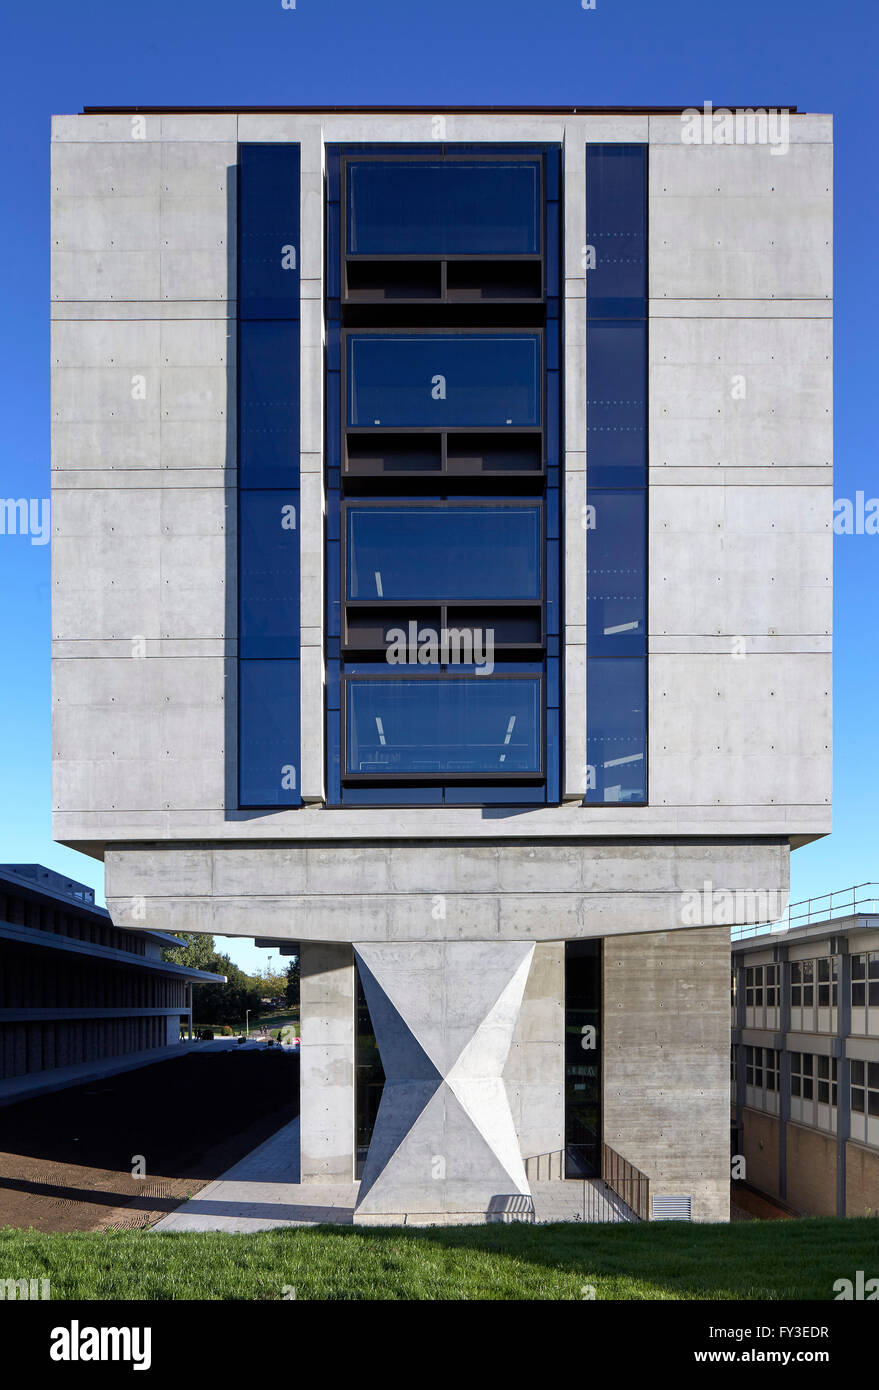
(805, 1059)
(78, 992)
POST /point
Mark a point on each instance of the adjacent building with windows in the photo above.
(805, 1057)
(442, 572)
(77, 992)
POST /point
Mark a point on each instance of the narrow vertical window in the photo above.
(616, 473)
(268, 476)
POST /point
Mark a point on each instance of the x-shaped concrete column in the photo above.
(444, 1146)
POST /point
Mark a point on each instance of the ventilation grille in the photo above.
(674, 1208)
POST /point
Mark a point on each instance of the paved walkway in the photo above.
(263, 1191)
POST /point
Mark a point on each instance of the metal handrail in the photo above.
(628, 1182)
(842, 902)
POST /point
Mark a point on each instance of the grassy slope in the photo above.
(765, 1260)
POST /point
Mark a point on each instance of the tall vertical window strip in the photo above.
(583, 1059)
(268, 476)
(442, 368)
(616, 473)
(369, 1079)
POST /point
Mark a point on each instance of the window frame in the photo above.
(456, 157)
(382, 779)
(373, 503)
(432, 331)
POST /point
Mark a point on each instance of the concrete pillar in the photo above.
(666, 1062)
(444, 1149)
(327, 1001)
(535, 1072)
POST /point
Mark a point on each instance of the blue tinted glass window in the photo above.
(442, 380)
(616, 729)
(268, 696)
(269, 231)
(616, 596)
(269, 404)
(616, 403)
(269, 573)
(437, 553)
(444, 727)
(616, 229)
(453, 207)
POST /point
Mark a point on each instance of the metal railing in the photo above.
(628, 1182)
(842, 902)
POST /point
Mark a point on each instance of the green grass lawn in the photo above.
(761, 1260)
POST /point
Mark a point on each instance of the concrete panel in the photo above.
(103, 344)
(740, 171)
(327, 992)
(139, 733)
(666, 1062)
(741, 561)
(90, 168)
(196, 169)
(444, 1141)
(738, 308)
(101, 275)
(625, 888)
(806, 128)
(535, 1071)
(115, 223)
(118, 129)
(196, 274)
(139, 563)
(723, 731)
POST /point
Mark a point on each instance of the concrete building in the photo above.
(421, 481)
(805, 1056)
(79, 995)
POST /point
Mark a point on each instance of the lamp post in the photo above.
(247, 1023)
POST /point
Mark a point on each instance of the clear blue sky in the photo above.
(59, 57)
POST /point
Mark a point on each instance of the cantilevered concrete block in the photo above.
(444, 1148)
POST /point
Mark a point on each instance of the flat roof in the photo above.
(48, 889)
(429, 110)
(816, 931)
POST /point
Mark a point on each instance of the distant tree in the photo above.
(215, 1002)
(291, 995)
(271, 984)
(199, 953)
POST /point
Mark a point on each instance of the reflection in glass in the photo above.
(451, 207)
(268, 695)
(616, 403)
(616, 729)
(268, 543)
(268, 259)
(616, 229)
(444, 726)
(616, 598)
(269, 403)
(443, 380)
(440, 553)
